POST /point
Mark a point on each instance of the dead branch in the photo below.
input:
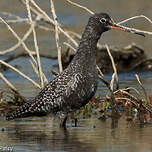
(46, 17)
(22, 74)
(134, 17)
(18, 44)
(10, 85)
(145, 93)
(36, 45)
(115, 76)
(19, 39)
(78, 5)
(68, 45)
(102, 78)
(57, 36)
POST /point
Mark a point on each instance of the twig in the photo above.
(128, 94)
(17, 19)
(112, 83)
(145, 93)
(22, 74)
(139, 16)
(141, 31)
(57, 35)
(12, 15)
(68, 45)
(101, 76)
(83, 7)
(114, 68)
(136, 104)
(51, 21)
(35, 43)
(7, 82)
(18, 38)
(128, 88)
(37, 72)
(131, 18)
(114, 77)
(18, 44)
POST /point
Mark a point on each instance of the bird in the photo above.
(77, 84)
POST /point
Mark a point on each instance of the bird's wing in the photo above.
(62, 94)
(45, 102)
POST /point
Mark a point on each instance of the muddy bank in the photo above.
(129, 58)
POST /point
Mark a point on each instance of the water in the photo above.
(92, 135)
(41, 134)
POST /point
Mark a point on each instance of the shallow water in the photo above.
(92, 135)
(41, 134)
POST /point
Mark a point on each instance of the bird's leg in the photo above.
(63, 119)
(75, 122)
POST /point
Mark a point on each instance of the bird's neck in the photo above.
(86, 53)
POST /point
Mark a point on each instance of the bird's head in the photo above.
(103, 22)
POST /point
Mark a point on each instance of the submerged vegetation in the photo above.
(126, 102)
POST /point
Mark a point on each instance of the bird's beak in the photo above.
(126, 29)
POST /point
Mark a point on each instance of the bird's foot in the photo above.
(63, 122)
(63, 119)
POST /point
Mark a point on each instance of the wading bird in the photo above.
(77, 84)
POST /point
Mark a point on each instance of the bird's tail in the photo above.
(21, 112)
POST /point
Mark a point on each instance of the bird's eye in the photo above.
(103, 20)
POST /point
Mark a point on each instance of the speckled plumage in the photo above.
(76, 85)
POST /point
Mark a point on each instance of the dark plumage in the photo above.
(77, 84)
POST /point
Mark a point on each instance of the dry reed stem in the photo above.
(22, 74)
(137, 101)
(76, 35)
(44, 78)
(114, 68)
(18, 44)
(15, 16)
(45, 28)
(88, 10)
(24, 46)
(112, 83)
(20, 40)
(57, 35)
(34, 67)
(100, 72)
(130, 95)
(145, 93)
(101, 76)
(128, 100)
(134, 17)
(37, 72)
(35, 44)
(128, 88)
(68, 45)
(51, 21)
(10, 85)
(78, 5)
(16, 20)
